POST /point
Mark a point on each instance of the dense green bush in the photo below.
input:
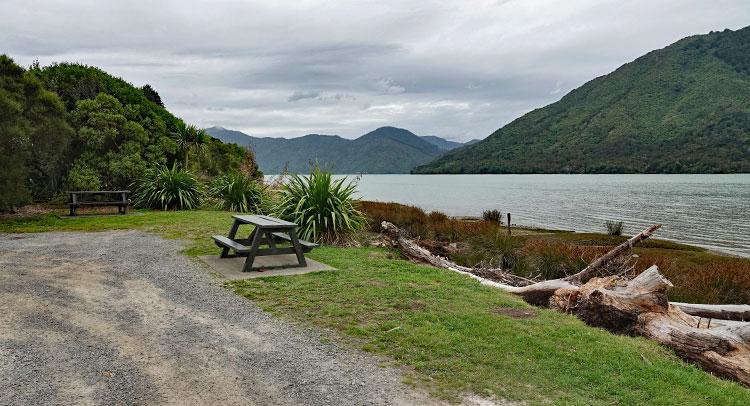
(71, 127)
(33, 137)
(236, 191)
(323, 207)
(168, 189)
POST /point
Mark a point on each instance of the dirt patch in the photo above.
(516, 313)
(28, 211)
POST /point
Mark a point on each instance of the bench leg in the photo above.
(253, 250)
(297, 248)
(232, 233)
(271, 242)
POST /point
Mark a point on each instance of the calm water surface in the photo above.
(708, 210)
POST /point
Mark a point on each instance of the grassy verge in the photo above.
(452, 334)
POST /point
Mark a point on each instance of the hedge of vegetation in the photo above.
(75, 127)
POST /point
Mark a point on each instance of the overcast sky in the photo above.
(457, 69)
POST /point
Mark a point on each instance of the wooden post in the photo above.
(508, 223)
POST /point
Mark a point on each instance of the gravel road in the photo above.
(121, 318)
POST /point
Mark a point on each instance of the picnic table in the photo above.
(267, 230)
(117, 198)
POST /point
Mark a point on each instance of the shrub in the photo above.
(238, 192)
(437, 217)
(164, 188)
(411, 219)
(495, 249)
(557, 259)
(82, 177)
(418, 224)
(323, 207)
(614, 227)
(492, 215)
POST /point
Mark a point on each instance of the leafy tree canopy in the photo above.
(70, 126)
(33, 135)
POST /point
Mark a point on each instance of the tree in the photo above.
(108, 145)
(190, 139)
(152, 95)
(33, 137)
(14, 136)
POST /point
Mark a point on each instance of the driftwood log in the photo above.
(635, 307)
(722, 312)
(598, 263)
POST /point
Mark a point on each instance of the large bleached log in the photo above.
(709, 311)
(635, 307)
(640, 307)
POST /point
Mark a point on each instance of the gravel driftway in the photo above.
(121, 318)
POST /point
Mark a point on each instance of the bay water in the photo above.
(711, 211)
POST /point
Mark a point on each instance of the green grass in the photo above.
(445, 329)
(194, 226)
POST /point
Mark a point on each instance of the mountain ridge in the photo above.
(684, 108)
(384, 150)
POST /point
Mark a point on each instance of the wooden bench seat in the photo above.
(117, 198)
(111, 203)
(222, 241)
(307, 246)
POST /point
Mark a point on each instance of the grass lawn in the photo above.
(451, 334)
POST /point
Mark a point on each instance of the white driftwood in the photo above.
(635, 307)
(593, 267)
(709, 311)
(412, 250)
(640, 307)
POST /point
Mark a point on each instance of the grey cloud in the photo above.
(455, 69)
(387, 86)
(297, 95)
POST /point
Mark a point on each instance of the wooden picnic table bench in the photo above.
(267, 231)
(117, 198)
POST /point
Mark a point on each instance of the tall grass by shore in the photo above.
(699, 276)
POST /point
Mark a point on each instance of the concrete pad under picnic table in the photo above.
(231, 268)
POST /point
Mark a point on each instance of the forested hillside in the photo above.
(69, 126)
(684, 108)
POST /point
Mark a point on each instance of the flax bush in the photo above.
(168, 189)
(238, 192)
(324, 208)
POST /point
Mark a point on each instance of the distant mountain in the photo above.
(442, 143)
(683, 108)
(385, 150)
(228, 136)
